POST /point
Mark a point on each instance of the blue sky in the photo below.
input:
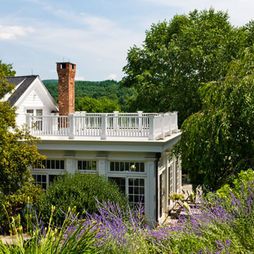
(96, 35)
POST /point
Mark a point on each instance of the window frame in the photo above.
(91, 162)
(47, 165)
(125, 166)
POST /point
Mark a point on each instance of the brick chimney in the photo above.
(66, 87)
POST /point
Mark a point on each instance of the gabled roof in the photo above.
(21, 83)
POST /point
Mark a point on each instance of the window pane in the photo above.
(53, 164)
(62, 164)
(48, 164)
(86, 165)
(136, 191)
(122, 166)
(93, 165)
(127, 166)
(38, 112)
(30, 111)
(120, 182)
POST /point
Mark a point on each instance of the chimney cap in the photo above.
(64, 63)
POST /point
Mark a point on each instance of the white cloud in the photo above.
(13, 32)
(98, 46)
(112, 76)
(240, 11)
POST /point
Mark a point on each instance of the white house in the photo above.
(132, 149)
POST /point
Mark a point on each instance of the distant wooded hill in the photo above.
(96, 96)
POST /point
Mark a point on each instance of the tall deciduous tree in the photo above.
(218, 141)
(18, 150)
(177, 57)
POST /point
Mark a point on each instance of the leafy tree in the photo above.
(17, 148)
(218, 141)
(5, 70)
(177, 57)
(18, 152)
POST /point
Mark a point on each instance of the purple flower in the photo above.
(235, 202)
(228, 242)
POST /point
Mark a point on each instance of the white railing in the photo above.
(81, 124)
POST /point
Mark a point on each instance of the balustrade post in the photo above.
(151, 127)
(115, 120)
(71, 126)
(83, 124)
(104, 126)
(140, 113)
(54, 124)
(162, 122)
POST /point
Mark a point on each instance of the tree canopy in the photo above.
(17, 148)
(100, 105)
(177, 57)
(218, 141)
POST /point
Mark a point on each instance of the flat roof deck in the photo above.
(104, 126)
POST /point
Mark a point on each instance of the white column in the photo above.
(102, 167)
(70, 165)
(150, 192)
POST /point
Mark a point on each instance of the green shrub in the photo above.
(16, 204)
(238, 189)
(78, 191)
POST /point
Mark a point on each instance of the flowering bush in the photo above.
(215, 227)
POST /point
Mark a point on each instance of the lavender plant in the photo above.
(54, 240)
(224, 223)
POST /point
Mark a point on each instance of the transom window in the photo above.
(86, 165)
(127, 166)
(50, 164)
(34, 112)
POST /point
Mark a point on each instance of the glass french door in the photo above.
(37, 122)
(134, 188)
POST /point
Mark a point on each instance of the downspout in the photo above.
(157, 155)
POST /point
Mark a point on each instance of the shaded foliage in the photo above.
(218, 140)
